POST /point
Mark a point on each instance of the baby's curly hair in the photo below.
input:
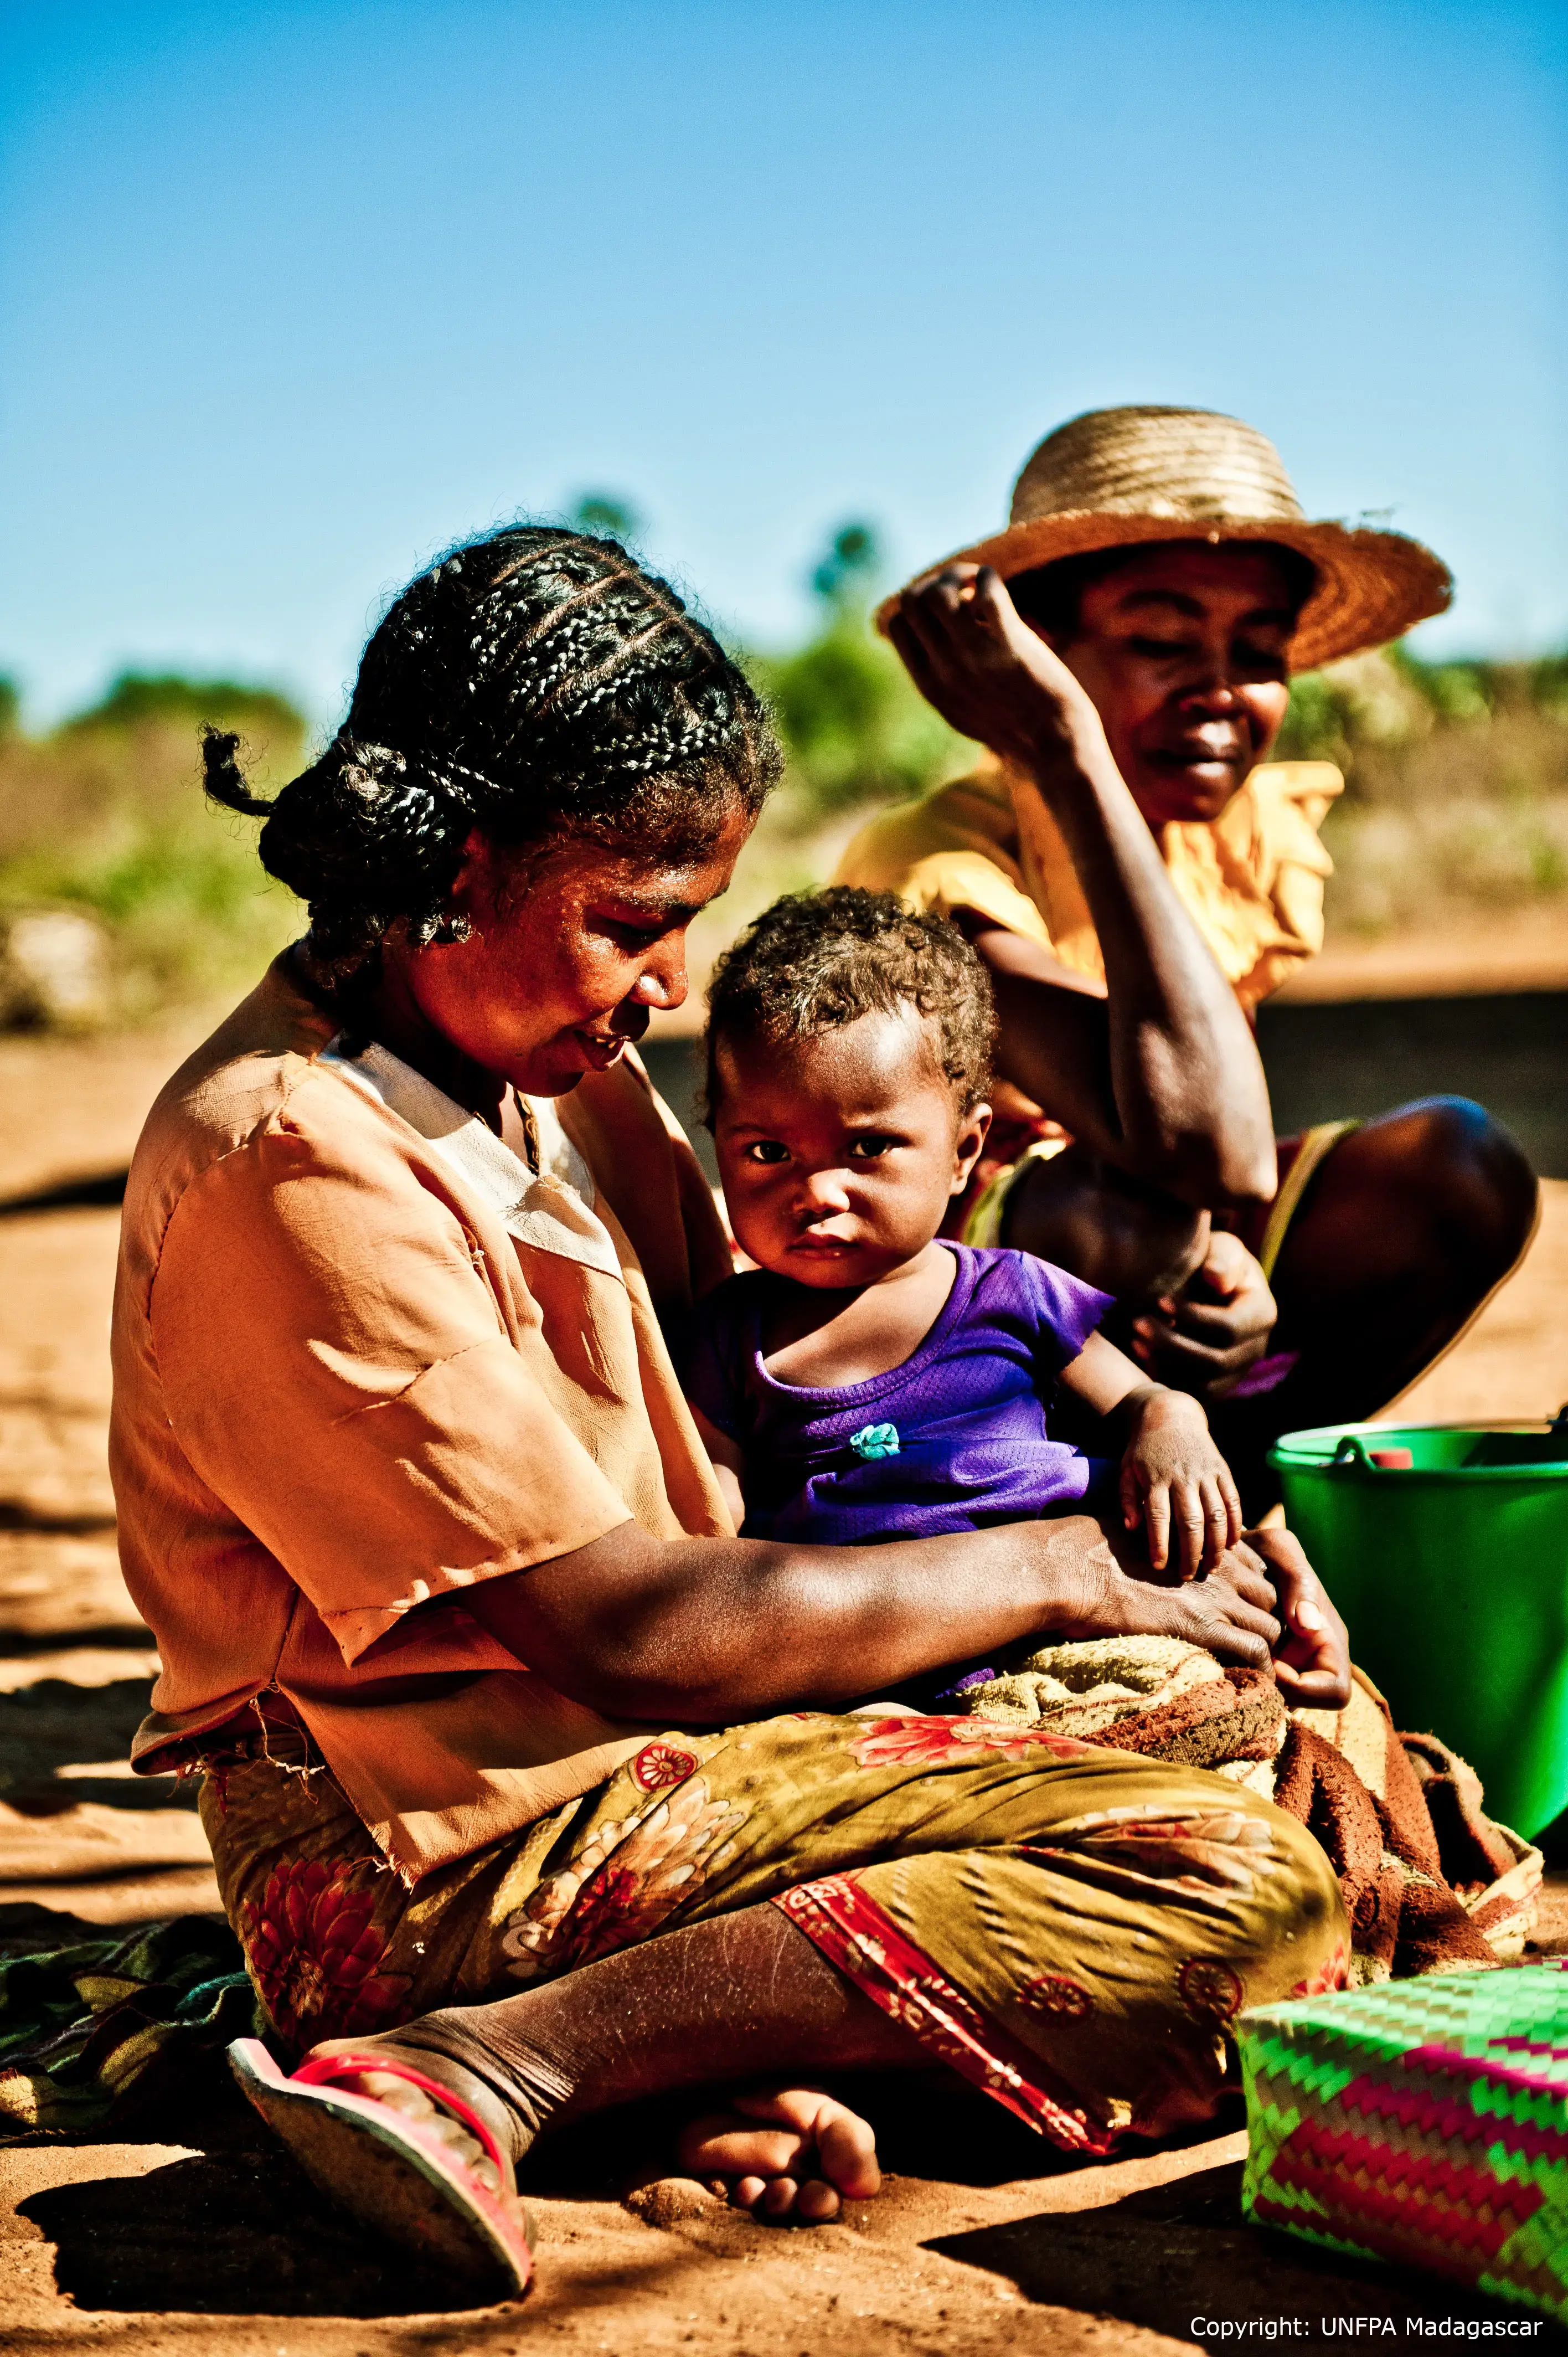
(817, 960)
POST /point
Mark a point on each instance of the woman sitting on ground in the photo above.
(1161, 557)
(439, 1574)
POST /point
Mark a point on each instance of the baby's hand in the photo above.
(1172, 1472)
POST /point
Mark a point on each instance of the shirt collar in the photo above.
(550, 1209)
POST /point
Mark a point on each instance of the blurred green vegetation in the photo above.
(1456, 803)
(105, 815)
(854, 728)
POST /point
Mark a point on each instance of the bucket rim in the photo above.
(1312, 1450)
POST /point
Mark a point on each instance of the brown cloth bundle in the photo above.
(1430, 1884)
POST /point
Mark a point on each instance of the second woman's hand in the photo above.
(1263, 1601)
(1204, 1339)
(972, 655)
(1312, 1660)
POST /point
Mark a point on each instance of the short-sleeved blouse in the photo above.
(364, 1357)
(1251, 879)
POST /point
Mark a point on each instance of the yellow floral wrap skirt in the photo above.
(1071, 1929)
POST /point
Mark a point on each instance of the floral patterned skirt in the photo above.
(1071, 1929)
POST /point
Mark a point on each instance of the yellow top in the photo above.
(1251, 879)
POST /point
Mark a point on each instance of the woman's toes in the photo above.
(722, 2145)
(761, 2156)
(846, 2151)
(399, 2095)
(846, 2145)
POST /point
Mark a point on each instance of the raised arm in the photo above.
(1161, 1077)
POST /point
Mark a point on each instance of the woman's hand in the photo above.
(1312, 1660)
(990, 677)
(1229, 1611)
(1172, 1474)
(1264, 1599)
(1204, 1339)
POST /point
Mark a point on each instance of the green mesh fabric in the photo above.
(1421, 2122)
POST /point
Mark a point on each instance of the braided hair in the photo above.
(533, 682)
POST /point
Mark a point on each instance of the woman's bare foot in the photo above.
(642, 2022)
(806, 2156)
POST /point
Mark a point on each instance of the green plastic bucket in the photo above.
(1449, 1562)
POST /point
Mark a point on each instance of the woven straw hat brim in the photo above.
(1371, 586)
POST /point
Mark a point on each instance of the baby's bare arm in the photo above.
(728, 1463)
(1171, 1469)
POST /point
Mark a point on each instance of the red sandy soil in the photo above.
(197, 2235)
(1526, 949)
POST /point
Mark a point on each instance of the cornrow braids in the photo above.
(534, 682)
(815, 960)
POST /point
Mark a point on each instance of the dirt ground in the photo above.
(197, 2236)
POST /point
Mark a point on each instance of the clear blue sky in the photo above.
(291, 295)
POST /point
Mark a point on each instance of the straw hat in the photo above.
(1115, 477)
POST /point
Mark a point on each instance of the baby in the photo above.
(869, 1380)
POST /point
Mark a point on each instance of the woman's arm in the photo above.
(1162, 1076)
(702, 1631)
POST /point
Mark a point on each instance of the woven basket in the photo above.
(1424, 2122)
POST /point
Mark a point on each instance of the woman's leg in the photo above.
(1087, 1216)
(654, 2019)
(1412, 1221)
(1070, 1928)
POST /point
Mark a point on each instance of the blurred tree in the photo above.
(144, 699)
(105, 816)
(846, 575)
(602, 513)
(855, 728)
(10, 706)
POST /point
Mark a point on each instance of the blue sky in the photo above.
(290, 295)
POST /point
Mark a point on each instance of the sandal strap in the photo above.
(325, 2069)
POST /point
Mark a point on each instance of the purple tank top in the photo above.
(954, 1439)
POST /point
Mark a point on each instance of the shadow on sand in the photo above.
(236, 2229)
(1180, 2253)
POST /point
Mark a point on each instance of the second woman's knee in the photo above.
(1469, 1177)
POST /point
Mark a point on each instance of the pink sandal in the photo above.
(388, 2170)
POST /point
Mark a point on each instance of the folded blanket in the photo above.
(1431, 1883)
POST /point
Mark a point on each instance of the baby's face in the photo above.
(839, 1154)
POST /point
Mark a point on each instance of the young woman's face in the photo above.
(1182, 650)
(839, 1154)
(568, 955)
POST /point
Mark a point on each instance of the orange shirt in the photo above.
(1251, 879)
(364, 1357)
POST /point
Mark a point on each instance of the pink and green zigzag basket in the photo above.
(1423, 2122)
